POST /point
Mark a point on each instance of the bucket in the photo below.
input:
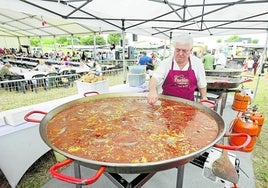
(137, 69)
(241, 102)
(243, 124)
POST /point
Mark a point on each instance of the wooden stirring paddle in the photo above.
(223, 168)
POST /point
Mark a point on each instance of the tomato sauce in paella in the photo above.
(129, 130)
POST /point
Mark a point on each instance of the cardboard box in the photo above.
(101, 87)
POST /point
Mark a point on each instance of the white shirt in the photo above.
(221, 59)
(250, 63)
(163, 68)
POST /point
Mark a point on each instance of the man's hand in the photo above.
(152, 97)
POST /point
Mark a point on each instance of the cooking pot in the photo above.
(129, 168)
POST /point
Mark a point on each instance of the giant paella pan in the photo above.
(122, 133)
(224, 72)
(225, 82)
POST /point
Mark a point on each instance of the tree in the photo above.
(86, 40)
(89, 40)
(34, 41)
(62, 40)
(115, 37)
(255, 41)
(233, 38)
(219, 40)
(47, 41)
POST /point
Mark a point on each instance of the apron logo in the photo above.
(181, 81)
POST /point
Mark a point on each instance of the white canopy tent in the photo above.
(164, 19)
(159, 18)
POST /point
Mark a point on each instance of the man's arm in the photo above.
(203, 93)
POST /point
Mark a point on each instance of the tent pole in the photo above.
(41, 45)
(19, 42)
(170, 41)
(29, 49)
(54, 43)
(72, 40)
(165, 49)
(261, 64)
(124, 62)
(94, 50)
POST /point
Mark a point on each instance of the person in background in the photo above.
(5, 71)
(139, 56)
(51, 57)
(249, 64)
(232, 57)
(208, 61)
(256, 56)
(153, 56)
(112, 48)
(181, 75)
(221, 60)
(42, 67)
(255, 67)
(146, 60)
(98, 69)
(51, 68)
(195, 54)
(84, 56)
(91, 63)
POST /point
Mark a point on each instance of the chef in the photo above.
(180, 75)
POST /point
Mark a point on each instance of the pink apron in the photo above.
(180, 83)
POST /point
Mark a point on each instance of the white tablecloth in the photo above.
(21, 144)
(19, 150)
(28, 74)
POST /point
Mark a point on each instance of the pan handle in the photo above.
(28, 119)
(69, 179)
(212, 103)
(91, 92)
(240, 147)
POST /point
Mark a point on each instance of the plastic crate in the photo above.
(137, 69)
(135, 80)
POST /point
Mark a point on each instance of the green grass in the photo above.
(11, 100)
(38, 174)
(260, 153)
(18, 99)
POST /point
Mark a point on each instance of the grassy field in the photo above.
(38, 174)
(260, 153)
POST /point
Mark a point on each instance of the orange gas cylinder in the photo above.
(241, 102)
(257, 116)
(243, 124)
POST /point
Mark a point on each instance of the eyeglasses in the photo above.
(178, 50)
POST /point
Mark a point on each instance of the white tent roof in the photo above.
(159, 18)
